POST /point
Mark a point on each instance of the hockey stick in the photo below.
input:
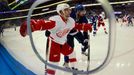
(88, 57)
(46, 55)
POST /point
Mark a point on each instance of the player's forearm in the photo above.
(44, 24)
(37, 25)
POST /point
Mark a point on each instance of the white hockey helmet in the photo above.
(62, 7)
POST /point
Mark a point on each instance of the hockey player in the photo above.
(124, 20)
(101, 22)
(3, 8)
(1, 31)
(59, 27)
(78, 14)
(94, 19)
(130, 22)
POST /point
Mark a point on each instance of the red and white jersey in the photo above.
(60, 31)
(57, 26)
(100, 18)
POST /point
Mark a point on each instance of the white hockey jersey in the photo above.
(60, 31)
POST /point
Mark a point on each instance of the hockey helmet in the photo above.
(79, 7)
(62, 7)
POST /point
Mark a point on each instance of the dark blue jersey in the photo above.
(129, 18)
(94, 19)
(73, 33)
(82, 19)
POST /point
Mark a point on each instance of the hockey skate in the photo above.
(74, 69)
(66, 65)
(84, 53)
(106, 32)
(94, 33)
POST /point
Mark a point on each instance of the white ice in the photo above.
(121, 64)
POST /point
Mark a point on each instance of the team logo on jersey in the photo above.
(62, 32)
